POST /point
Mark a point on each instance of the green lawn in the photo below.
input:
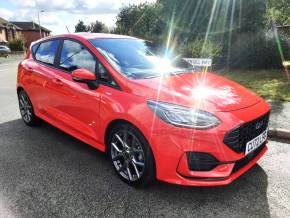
(270, 84)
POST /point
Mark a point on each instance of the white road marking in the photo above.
(10, 63)
(6, 64)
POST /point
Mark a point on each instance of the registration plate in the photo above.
(256, 142)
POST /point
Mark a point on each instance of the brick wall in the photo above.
(11, 34)
(2, 35)
(31, 36)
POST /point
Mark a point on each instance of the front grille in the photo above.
(237, 138)
(244, 161)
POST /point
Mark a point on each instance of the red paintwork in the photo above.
(83, 74)
(86, 114)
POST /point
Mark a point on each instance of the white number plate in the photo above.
(256, 142)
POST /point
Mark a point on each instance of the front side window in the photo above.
(46, 51)
(75, 56)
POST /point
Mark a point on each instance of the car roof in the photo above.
(87, 36)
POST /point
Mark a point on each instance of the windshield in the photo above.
(139, 59)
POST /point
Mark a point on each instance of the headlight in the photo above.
(182, 116)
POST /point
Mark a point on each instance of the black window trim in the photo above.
(33, 53)
(56, 63)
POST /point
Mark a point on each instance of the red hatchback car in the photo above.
(154, 115)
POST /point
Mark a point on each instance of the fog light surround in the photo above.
(202, 166)
(199, 161)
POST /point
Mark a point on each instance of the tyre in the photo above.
(131, 155)
(26, 109)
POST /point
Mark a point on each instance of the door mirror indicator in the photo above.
(85, 76)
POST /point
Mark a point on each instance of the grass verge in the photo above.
(270, 84)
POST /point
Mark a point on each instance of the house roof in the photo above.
(29, 26)
(3, 21)
(6, 24)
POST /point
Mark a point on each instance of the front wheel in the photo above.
(26, 109)
(131, 155)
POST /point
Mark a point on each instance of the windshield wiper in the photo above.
(189, 70)
(71, 56)
(150, 77)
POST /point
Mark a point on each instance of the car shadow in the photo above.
(45, 172)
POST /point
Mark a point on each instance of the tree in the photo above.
(143, 20)
(98, 27)
(81, 27)
(235, 28)
(279, 11)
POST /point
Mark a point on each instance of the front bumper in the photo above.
(170, 146)
(223, 174)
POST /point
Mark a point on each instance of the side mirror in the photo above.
(85, 76)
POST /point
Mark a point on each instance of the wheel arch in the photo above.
(116, 122)
(19, 88)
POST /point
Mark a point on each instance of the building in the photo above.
(8, 31)
(31, 31)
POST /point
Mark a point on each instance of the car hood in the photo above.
(205, 91)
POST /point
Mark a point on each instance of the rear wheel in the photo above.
(26, 109)
(131, 155)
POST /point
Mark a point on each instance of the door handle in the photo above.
(57, 81)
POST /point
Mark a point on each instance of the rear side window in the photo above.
(34, 48)
(46, 51)
(75, 56)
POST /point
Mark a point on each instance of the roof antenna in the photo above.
(67, 29)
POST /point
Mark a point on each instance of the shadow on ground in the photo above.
(44, 173)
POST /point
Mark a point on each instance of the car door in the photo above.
(74, 106)
(39, 71)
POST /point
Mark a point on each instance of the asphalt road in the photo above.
(46, 173)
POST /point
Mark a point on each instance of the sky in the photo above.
(61, 13)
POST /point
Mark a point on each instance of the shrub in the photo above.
(201, 49)
(257, 51)
(16, 44)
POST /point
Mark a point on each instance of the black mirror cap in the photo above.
(93, 85)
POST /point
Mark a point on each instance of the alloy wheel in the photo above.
(25, 107)
(127, 155)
